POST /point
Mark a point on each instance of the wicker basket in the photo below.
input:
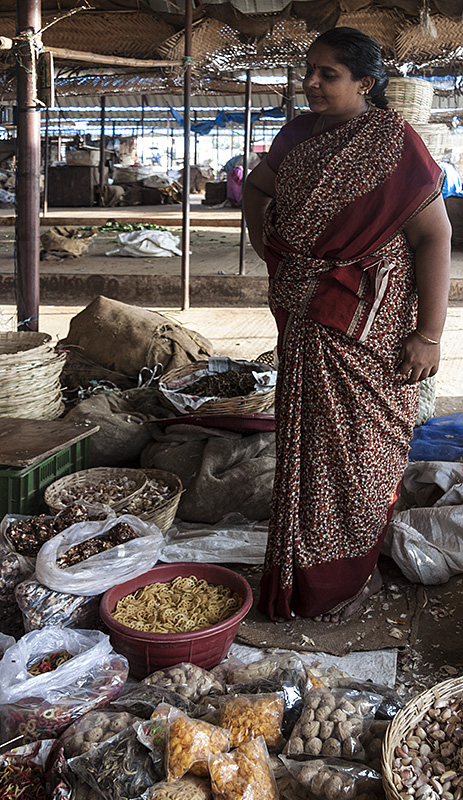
(30, 372)
(405, 720)
(86, 476)
(412, 97)
(251, 403)
(435, 137)
(164, 514)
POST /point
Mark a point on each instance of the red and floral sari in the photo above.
(342, 291)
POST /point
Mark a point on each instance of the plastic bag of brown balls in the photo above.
(331, 779)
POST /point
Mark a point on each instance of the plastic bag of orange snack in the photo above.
(188, 745)
(243, 774)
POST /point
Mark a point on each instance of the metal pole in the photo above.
(102, 152)
(247, 142)
(196, 138)
(45, 163)
(28, 22)
(291, 95)
(143, 101)
(186, 158)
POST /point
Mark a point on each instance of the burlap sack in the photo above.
(123, 433)
(221, 471)
(124, 338)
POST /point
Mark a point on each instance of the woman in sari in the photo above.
(347, 212)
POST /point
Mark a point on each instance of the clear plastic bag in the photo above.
(14, 568)
(142, 699)
(119, 768)
(250, 716)
(104, 570)
(152, 733)
(189, 743)
(41, 606)
(390, 704)
(187, 788)
(42, 706)
(243, 774)
(187, 680)
(332, 723)
(372, 741)
(39, 763)
(87, 732)
(335, 779)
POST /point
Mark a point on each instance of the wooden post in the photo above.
(143, 101)
(186, 157)
(28, 22)
(247, 142)
(102, 152)
(196, 138)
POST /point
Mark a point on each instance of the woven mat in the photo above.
(389, 619)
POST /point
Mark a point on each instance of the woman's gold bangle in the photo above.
(426, 338)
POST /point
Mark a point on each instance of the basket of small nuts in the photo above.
(113, 486)
(423, 746)
(158, 501)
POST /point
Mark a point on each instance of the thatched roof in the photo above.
(230, 36)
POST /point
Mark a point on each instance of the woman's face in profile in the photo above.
(329, 86)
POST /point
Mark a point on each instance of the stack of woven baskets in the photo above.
(30, 372)
(413, 97)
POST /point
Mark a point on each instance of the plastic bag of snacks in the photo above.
(37, 771)
(87, 732)
(253, 715)
(152, 733)
(189, 743)
(119, 768)
(91, 557)
(282, 672)
(5, 643)
(187, 788)
(335, 779)
(332, 723)
(41, 606)
(13, 569)
(372, 741)
(243, 774)
(142, 699)
(390, 700)
(188, 680)
(51, 677)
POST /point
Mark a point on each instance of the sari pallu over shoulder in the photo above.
(341, 196)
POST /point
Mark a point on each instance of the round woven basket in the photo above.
(435, 137)
(164, 514)
(30, 372)
(405, 720)
(251, 403)
(23, 345)
(412, 97)
(82, 479)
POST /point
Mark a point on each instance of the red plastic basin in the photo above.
(147, 652)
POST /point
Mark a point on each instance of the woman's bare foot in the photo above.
(345, 610)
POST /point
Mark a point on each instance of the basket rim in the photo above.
(404, 720)
(174, 498)
(137, 474)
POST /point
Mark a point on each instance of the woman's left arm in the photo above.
(429, 236)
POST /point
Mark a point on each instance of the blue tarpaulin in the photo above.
(224, 117)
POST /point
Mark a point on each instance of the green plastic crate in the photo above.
(21, 490)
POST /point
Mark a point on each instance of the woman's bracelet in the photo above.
(426, 338)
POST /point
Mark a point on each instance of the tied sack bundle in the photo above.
(110, 339)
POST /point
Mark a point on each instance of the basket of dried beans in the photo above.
(158, 501)
(113, 486)
(423, 746)
(218, 386)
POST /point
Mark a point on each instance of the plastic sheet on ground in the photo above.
(231, 540)
(147, 244)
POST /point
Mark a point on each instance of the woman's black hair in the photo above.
(361, 54)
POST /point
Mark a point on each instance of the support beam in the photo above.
(46, 160)
(291, 95)
(247, 146)
(114, 61)
(186, 156)
(28, 22)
